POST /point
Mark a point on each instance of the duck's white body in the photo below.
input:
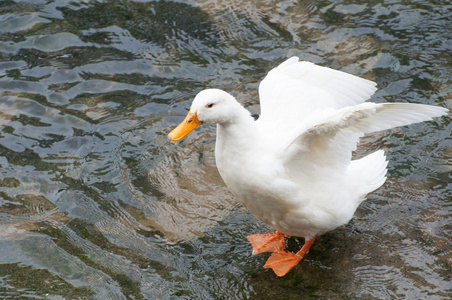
(295, 196)
(262, 183)
(292, 168)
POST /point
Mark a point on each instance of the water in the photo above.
(96, 203)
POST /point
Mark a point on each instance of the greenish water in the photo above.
(95, 203)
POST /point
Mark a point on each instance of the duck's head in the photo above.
(212, 106)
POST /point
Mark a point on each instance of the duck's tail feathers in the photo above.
(368, 173)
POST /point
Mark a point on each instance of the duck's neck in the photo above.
(235, 137)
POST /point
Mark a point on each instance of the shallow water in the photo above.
(96, 203)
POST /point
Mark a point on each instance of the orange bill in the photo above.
(183, 129)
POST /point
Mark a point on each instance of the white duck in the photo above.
(293, 167)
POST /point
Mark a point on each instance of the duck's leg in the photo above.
(268, 242)
(282, 261)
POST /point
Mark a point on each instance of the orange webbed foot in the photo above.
(268, 242)
(281, 262)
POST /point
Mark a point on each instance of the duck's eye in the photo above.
(210, 105)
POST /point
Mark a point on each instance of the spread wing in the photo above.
(295, 91)
(315, 116)
(324, 150)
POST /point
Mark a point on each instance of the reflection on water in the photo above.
(96, 203)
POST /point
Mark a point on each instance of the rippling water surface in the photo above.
(96, 203)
